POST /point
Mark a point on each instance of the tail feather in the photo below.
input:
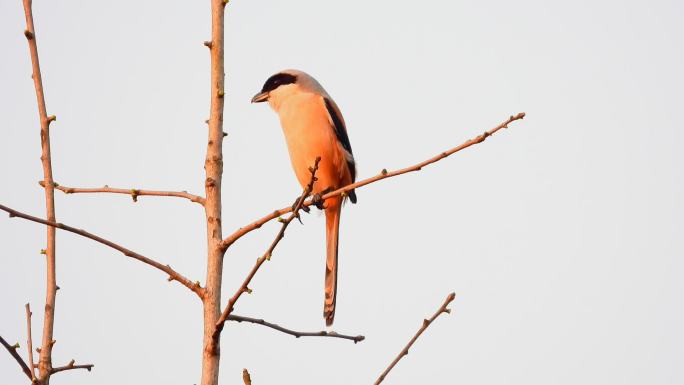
(332, 230)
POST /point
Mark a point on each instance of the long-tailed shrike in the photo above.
(314, 127)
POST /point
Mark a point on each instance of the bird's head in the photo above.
(285, 83)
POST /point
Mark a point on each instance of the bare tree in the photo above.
(215, 313)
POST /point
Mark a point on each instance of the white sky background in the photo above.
(561, 236)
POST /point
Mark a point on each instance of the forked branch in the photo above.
(384, 174)
(244, 288)
(134, 193)
(426, 323)
(173, 274)
(296, 334)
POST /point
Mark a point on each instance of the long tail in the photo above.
(332, 231)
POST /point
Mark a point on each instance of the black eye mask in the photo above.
(278, 80)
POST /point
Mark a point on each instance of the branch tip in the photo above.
(246, 378)
(426, 323)
(296, 334)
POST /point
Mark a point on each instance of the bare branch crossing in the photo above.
(244, 288)
(384, 174)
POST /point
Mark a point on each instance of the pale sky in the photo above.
(560, 236)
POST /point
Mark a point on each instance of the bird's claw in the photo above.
(296, 202)
(303, 208)
(317, 200)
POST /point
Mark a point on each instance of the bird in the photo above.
(314, 127)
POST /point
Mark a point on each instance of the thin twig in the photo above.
(244, 288)
(134, 193)
(29, 342)
(71, 366)
(45, 360)
(426, 323)
(246, 378)
(173, 274)
(384, 174)
(12, 349)
(296, 334)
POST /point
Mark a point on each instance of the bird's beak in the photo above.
(260, 97)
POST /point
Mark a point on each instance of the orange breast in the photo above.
(309, 134)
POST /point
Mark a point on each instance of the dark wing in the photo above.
(341, 134)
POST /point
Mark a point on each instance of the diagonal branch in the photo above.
(267, 255)
(173, 274)
(71, 366)
(383, 175)
(296, 334)
(426, 323)
(134, 193)
(12, 349)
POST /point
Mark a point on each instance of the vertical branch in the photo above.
(29, 342)
(45, 363)
(213, 167)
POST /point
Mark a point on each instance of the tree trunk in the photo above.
(213, 166)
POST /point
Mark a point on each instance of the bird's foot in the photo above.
(303, 208)
(317, 199)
